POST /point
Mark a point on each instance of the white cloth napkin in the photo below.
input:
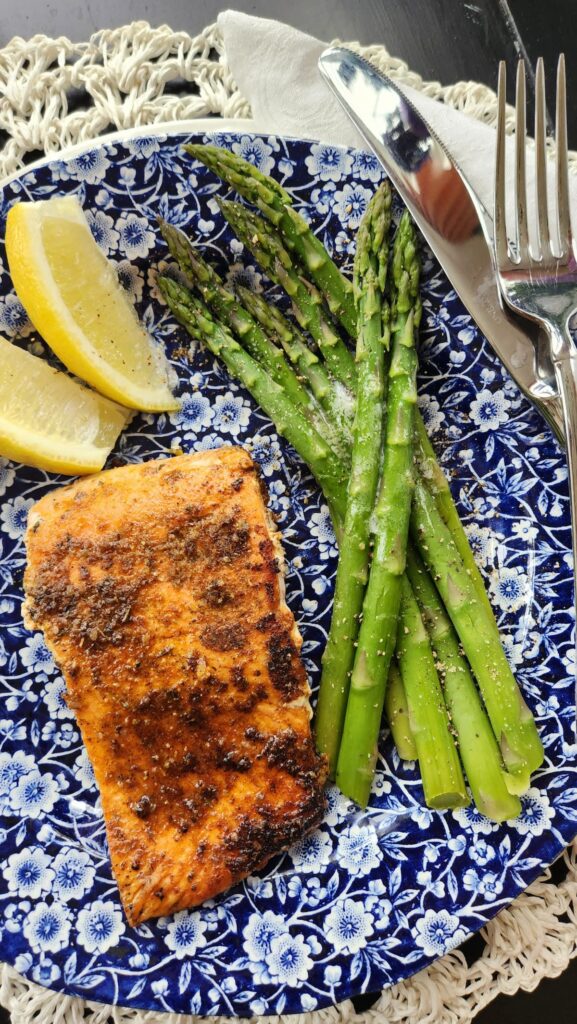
(275, 67)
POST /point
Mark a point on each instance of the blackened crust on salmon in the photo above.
(228, 637)
(216, 594)
(94, 614)
(254, 842)
(284, 665)
(288, 751)
(229, 536)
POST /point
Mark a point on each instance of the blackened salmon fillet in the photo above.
(159, 588)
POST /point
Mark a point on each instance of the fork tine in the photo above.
(564, 216)
(500, 225)
(543, 246)
(520, 174)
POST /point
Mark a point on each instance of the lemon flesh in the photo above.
(73, 297)
(49, 421)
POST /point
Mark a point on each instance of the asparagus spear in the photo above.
(312, 370)
(336, 409)
(427, 458)
(443, 499)
(510, 717)
(377, 634)
(437, 483)
(275, 203)
(397, 712)
(224, 304)
(269, 251)
(289, 421)
(370, 272)
(202, 277)
(477, 744)
(446, 508)
(443, 781)
(520, 778)
(428, 468)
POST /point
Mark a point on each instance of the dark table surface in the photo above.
(446, 40)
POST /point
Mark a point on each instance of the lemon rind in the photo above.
(53, 319)
(50, 452)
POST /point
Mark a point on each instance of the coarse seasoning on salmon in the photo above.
(159, 588)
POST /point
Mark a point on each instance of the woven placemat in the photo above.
(55, 93)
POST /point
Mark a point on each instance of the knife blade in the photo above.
(452, 218)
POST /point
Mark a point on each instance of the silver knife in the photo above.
(450, 215)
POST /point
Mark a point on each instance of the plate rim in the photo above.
(253, 126)
(214, 125)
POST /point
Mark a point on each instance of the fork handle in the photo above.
(565, 363)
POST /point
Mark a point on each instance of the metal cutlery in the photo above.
(450, 215)
(538, 275)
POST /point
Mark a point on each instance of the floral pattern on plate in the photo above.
(371, 897)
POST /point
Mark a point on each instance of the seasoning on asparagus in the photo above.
(478, 748)
(225, 307)
(378, 631)
(436, 481)
(397, 714)
(443, 782)
(274, 202)
(370, 272)
(307, 302)
(512, 721)
(289, 421)
(311, 369)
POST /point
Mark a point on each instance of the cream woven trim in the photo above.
(124, 77)
(138, 75)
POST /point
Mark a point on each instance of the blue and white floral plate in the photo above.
(368, 899)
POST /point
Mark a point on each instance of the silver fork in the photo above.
(538, 276)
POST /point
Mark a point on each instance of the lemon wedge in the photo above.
(49, 421)
(73, 297)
